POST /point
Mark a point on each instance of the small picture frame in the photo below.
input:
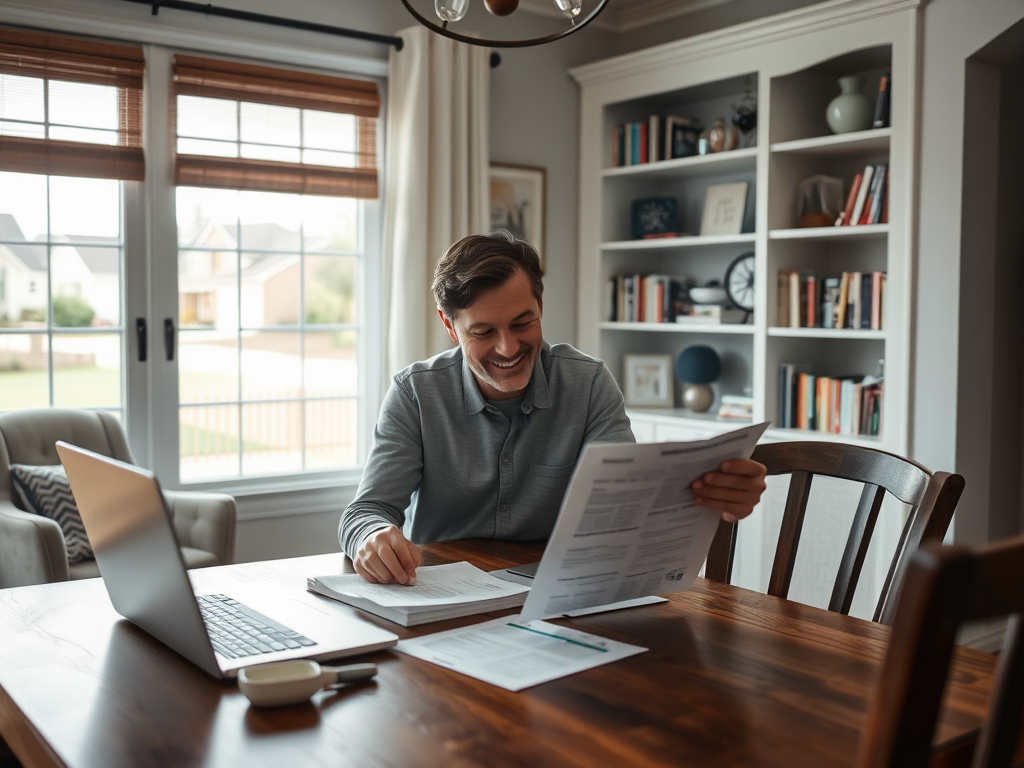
(724, 207)
(654, 217)
(517, 202)
(648, 381)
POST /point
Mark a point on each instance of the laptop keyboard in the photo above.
(237, 630)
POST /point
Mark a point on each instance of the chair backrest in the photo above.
(28, 437)
(944, 588)
(932, 498)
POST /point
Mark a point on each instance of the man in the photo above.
(480, 441)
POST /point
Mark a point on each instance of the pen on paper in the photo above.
(560, 637)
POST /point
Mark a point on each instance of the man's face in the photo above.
(500, 336)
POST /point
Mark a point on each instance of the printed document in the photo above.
(513, 655)
(435, 585)
(629, 526)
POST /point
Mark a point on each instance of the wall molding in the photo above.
(739, 37)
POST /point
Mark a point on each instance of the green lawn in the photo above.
(73, 388)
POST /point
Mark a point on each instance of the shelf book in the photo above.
(659, 137)
(853, 300)
(841, 405)
(867, 202)
(645, 298)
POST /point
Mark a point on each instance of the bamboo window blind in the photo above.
(242, 126)
(70, 107)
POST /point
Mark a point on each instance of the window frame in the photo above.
(160, 436)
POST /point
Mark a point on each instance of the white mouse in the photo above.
(293, 682)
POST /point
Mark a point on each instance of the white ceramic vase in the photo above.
(851, 110)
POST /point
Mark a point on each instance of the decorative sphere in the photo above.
(501, 7)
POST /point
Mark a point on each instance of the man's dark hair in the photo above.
(480, 262)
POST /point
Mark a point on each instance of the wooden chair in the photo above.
(932, 497)
(944, 588)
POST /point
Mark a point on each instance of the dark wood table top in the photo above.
(732, 678)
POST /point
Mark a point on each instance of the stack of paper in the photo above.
(441, 592)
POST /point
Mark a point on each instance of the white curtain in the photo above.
(436, 184)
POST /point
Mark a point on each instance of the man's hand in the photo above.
(386, 557)
(733, 490)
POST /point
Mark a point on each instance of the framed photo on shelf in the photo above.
(517, 202)
(724, 207)
(648, 380)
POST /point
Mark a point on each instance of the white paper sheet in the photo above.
(513, 655)
(449, 584)
(629, 526)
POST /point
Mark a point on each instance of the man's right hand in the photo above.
(387, 557)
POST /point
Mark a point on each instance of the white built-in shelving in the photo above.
(791, 63)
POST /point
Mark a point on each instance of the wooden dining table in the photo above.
(731, 678)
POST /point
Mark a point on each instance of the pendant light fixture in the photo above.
(449, 11)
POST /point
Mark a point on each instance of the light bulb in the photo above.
(451, 10)
(570, 8)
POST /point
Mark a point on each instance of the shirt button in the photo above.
(507, 460)
(503, 507)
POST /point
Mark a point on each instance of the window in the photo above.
(70, 133)
(271, 169)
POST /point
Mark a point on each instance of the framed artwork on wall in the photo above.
(648, 380)
(517, 202)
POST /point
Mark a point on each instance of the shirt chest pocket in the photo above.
(552, 475)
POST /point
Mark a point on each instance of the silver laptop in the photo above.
(130, 531)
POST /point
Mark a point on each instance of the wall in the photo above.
(954, 359)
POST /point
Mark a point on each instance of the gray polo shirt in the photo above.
(447, 465)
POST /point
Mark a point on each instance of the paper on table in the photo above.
(629, 526)
(449, 584)
(513, 655)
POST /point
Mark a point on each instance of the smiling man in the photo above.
(480, 441)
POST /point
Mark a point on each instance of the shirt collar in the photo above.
(537, 394)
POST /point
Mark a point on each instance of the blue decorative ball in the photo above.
(698, 364)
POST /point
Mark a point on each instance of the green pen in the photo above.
(559, 637)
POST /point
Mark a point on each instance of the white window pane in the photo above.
(206, 147)
(87, 371)
(21, 98)
(23, 298)
(331, 368)
(264, 152)
(85, 135)
(270, 289)
(269, 124)
(208, 366)
(24, 371)
(22, 206)
(83, 208)
(83, 104)
(329, 130)
(271, 366)
(207, 218)
(331, 290)
(27, 130)
(86, 286)
(203, 118)
(208, 440)
(272, 435)
(270, 221)
(207, 290)
(330, 223)
(332, 159)
(331, 433)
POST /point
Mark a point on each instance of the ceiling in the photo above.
(627, 15)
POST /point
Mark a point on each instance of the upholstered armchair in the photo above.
(32, 548)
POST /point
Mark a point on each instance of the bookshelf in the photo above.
(793, 62)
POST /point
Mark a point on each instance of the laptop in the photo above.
(126, 519)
